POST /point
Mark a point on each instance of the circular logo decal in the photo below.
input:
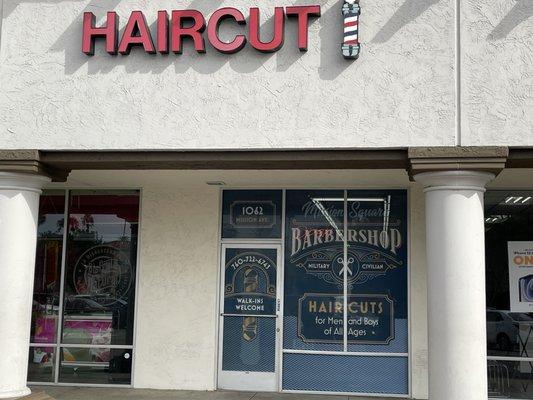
(104, 273)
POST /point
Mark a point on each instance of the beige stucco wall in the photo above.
(176, 307)
(497, 72)
(431, 73)
(399, 93)
(176, 331)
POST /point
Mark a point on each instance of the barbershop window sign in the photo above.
(520, 276)
(370, 318)
(250, 283)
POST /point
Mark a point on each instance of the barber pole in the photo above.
(351, 11)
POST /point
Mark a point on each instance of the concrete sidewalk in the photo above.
(78, 393)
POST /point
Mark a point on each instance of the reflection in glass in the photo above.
(47, 268)
(510, 379)
(100, 268)
(41, 364)
(95, 365)
(509, 333)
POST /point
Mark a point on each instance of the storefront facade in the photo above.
(330, 197)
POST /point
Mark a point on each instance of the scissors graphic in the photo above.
(351, 260)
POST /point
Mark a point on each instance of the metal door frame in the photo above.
(238, 380)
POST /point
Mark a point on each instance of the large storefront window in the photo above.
(344, 300)
(509, 272)
(84, 300)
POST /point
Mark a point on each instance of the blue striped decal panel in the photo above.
(351, 374)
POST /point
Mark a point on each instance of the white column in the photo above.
(455, 243)
(19, 206)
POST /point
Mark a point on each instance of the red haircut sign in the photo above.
(171, 30)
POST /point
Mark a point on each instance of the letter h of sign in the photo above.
(350, 12)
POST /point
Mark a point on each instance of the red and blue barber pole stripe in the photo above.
(351, 11)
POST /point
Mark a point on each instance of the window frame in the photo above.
(58, 345)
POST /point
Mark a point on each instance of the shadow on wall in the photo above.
(407, 12)
(331, 61)
(412, 9)
(521, 11)
(248, 60)
(245, 61)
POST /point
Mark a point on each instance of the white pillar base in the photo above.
(15, 394)
(455, 241)
(19, 207)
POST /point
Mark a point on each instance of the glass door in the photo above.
(249, 323)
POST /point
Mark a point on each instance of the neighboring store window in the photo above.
(95, 342)
(45, 310)
(345, 290)
(509, 280)
(251, 214)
